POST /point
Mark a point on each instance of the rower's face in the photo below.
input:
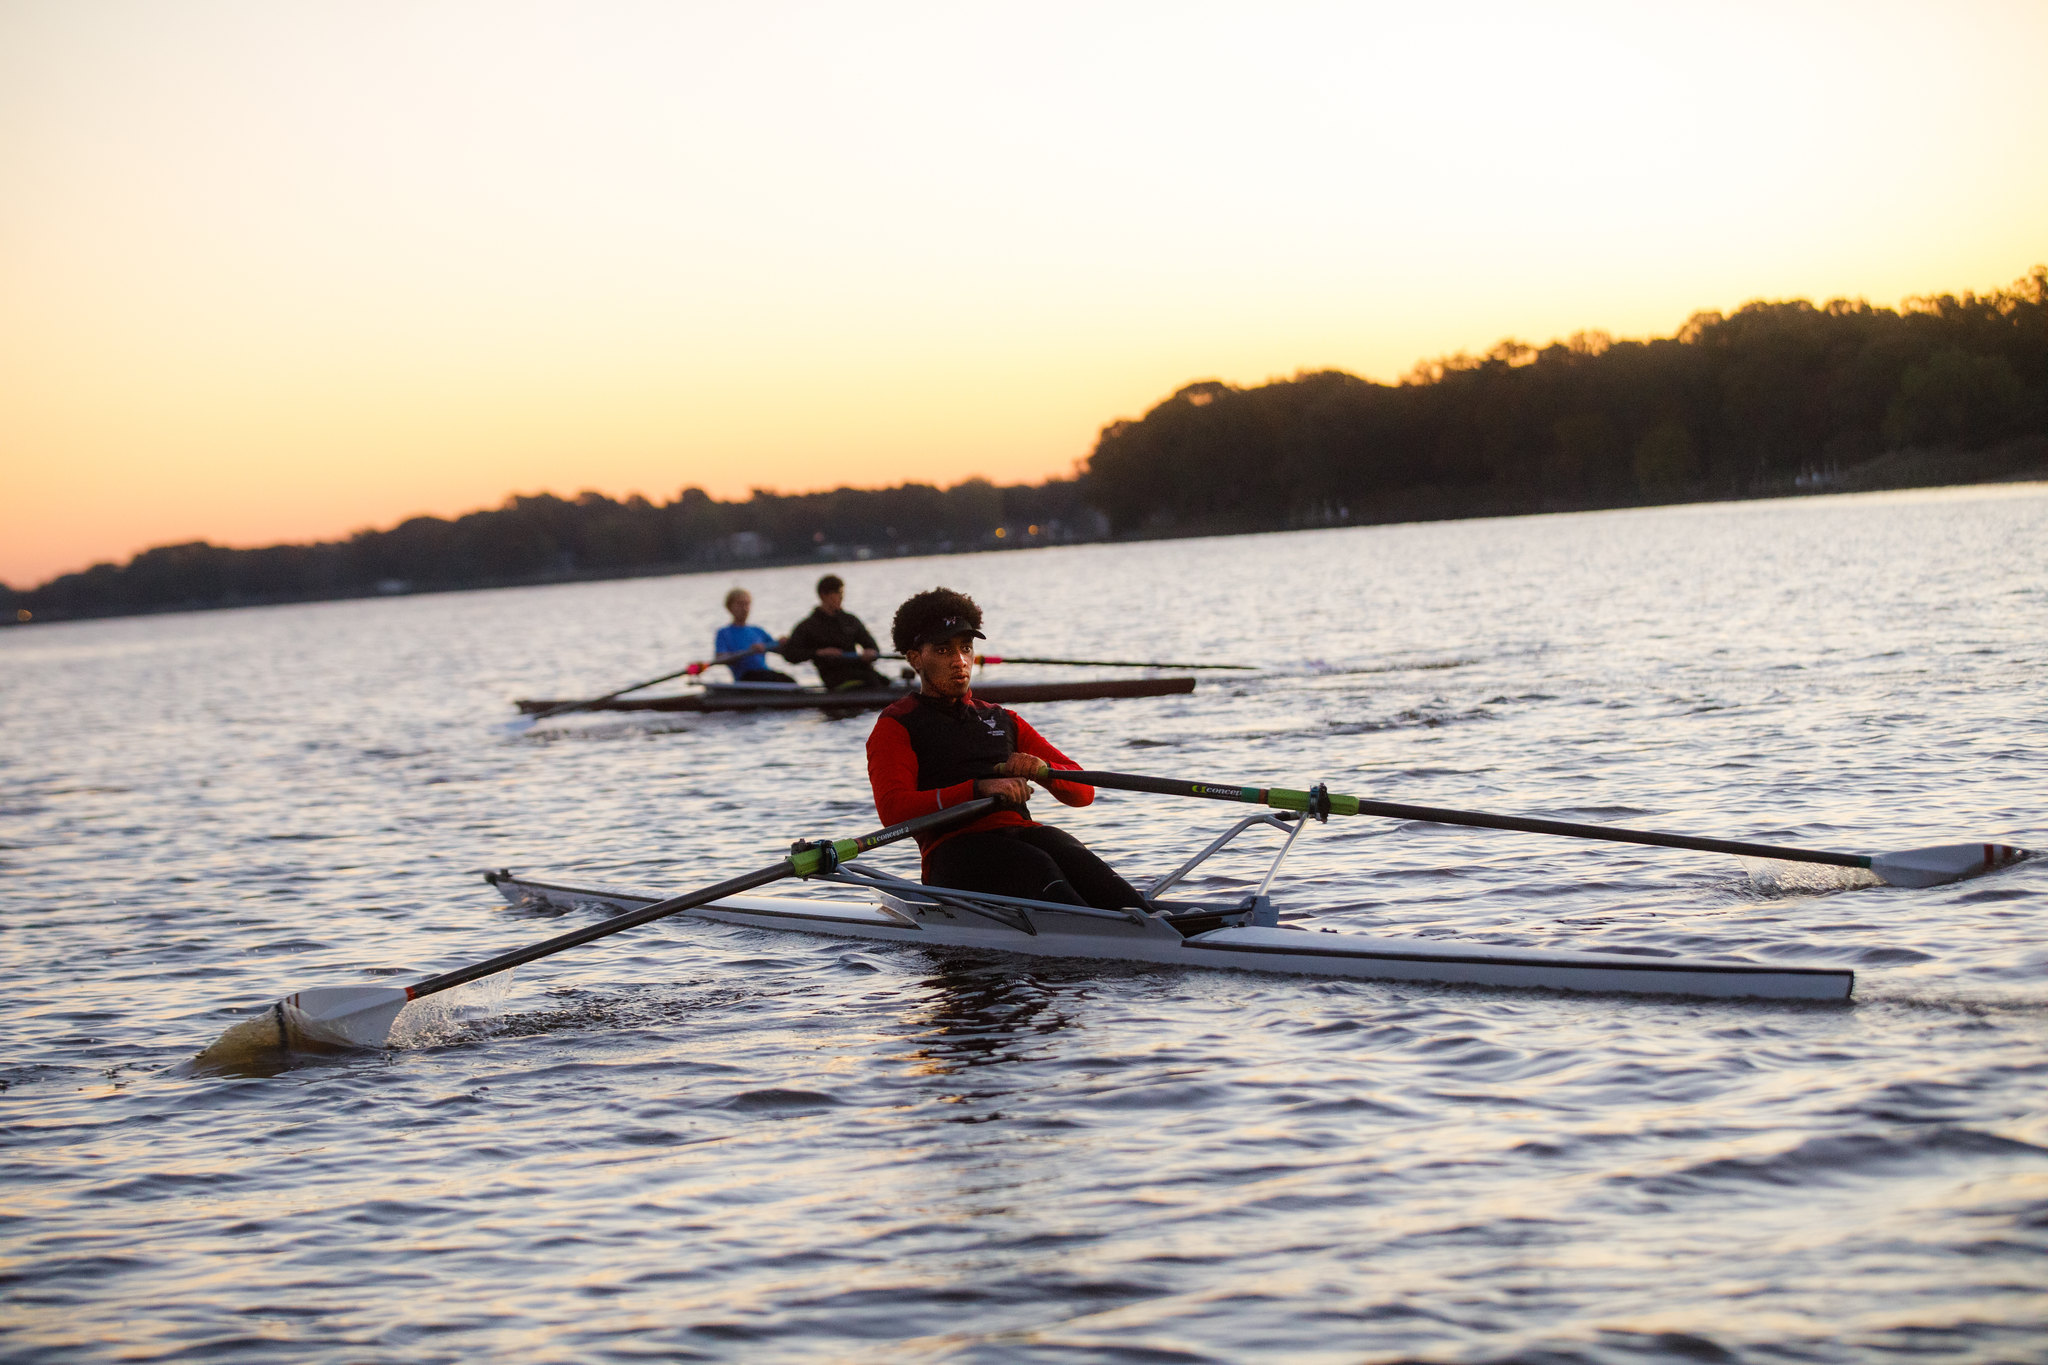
(947, 667)
(739, 607)
(830, 601)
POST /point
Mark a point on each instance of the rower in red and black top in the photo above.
(940, 747)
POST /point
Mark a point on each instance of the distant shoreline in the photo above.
(2016, 462)
(1774, 400)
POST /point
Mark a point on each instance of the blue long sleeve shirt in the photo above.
(733, 639)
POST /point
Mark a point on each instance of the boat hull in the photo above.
(765, 698)
(1296, 951)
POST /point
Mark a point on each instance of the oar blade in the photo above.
(518, 725)
(343, 1016)
(1943, 863)
(327, 1017)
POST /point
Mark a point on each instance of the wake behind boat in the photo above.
(789, 697)
(1246, 933)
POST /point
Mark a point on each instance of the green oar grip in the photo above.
(809, 860)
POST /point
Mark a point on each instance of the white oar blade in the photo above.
(330, 1017)
(517, 726)
(343, 1016)
(1943, 863)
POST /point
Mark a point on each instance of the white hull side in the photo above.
(1283, 950)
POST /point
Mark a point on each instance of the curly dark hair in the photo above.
(930, 611)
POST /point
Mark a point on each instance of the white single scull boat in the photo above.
(1246, 934)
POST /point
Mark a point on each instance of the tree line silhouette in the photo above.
(547, 539)
(1773, 398)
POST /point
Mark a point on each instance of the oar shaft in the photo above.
(801, 863)
(565, 707)
(1612, 833)
(1107, 663)
(1282, 798)
(603, 928)
(1098, 663)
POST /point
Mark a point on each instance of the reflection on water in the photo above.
(699, 1141)
(974, 1011)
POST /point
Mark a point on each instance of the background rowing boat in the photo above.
(722, 698)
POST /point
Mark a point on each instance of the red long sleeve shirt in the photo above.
(925, 754)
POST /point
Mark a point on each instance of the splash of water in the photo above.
(263, 1044)
(450, 1014)
(1776, 877)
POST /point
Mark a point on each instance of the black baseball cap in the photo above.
(949, 628)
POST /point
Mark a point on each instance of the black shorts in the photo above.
(764, 675)
(1036, 862)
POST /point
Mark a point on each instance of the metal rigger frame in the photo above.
(1014, 912)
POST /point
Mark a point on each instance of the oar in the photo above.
(564, 708)
(361, 1016)
(1094, 663)
(1105, 663)
(1913, 867)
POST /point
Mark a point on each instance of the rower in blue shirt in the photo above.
(741, 647)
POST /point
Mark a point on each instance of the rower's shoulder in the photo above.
(898, 709)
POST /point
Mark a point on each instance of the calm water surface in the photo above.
(704, 1142)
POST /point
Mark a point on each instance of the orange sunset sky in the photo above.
(274, 272)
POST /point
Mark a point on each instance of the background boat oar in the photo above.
(1106, 663)
(362, 1016)
(1913, 867)
(564, 708)
(985, 659)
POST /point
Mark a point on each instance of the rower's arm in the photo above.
(892, 775)
(796, 646)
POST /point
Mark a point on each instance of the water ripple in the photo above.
(705, 1142)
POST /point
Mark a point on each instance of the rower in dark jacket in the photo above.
(835, 641)
(940, 747)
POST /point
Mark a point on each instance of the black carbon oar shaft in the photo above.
(801, 863)
(1282, 798)
(616, 924)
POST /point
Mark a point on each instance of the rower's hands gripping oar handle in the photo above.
(804, 860)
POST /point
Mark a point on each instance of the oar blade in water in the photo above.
(1943, 863)
(325, 1017)
(345, 1016)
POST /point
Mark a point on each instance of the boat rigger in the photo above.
(1246, 934)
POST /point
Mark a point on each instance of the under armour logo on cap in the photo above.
(949, 628)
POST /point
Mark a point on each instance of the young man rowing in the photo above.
(940, 747)
(833, 639)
